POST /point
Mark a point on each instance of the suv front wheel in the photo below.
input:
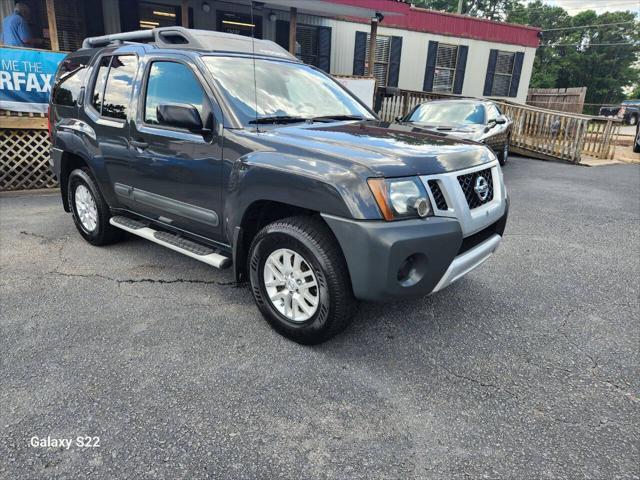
(90, 212)
(503, 156)
(300, 280)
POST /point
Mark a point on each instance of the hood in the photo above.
(380, 148)
(474, 132)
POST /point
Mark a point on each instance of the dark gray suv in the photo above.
(234, 153)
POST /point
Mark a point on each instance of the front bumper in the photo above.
(467, 261)
(376, 251)
(410, 258)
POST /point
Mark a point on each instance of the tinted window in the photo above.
(118, 90)
(449, 113)
(171, 82)
(98, 88)
(69, 81)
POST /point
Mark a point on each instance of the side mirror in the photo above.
(399, 118)
(180, 116)
(501, 120)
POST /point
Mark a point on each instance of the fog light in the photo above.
(412, 269)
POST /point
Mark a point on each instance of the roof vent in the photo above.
(173, 37)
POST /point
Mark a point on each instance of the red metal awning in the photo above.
(325, 8)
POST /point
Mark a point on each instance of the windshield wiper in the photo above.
(278, 119)
(337, 117)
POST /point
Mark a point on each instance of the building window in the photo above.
(154, 15)
(503, 74)
(307, 44)
(313, 43)
(446, 61)
(239, 24)
(381, 60)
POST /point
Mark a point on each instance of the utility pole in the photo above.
(460, 6)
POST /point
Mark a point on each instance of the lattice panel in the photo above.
(24, 160)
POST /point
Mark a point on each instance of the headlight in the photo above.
(400, 197)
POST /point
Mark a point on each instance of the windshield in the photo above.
(465, 113)
(283, 90)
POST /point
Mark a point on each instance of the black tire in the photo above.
(104, 233)
(503, 156)
(636, 143)
(633, 120)
(311, 238)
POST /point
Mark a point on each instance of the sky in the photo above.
(600, 6)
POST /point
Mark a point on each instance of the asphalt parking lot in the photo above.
(526, 368)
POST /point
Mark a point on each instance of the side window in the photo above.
(119, 83)
(172, 82)
(492, 112)
(69, 82)
(98, 87)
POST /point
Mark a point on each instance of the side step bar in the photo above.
(175, 242)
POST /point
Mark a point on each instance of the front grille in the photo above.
(468, 183)
(477, 238)
(441, 203)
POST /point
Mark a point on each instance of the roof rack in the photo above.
(180, 37)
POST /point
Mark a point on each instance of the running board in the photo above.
(175, 242)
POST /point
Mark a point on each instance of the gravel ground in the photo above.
(526, 368)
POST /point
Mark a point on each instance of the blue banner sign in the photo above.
(26, 77)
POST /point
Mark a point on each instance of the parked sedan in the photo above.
(477, 120)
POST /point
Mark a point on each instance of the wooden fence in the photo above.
(24, 152)
(536, 132)
(560, 99)
(24, 141)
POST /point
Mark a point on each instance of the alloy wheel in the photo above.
(291, 285)
(86, 208)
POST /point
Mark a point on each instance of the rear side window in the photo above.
(69, 81)
(171, 82)
(113, 85)
(98, 87)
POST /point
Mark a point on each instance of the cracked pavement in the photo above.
(526, 368)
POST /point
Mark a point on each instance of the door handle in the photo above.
(137, 144)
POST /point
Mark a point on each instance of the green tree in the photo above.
(635, 93)
(577, 50)
(548, 61)
(491, 9)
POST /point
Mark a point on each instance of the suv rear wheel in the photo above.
(90, 212)
(300, 281)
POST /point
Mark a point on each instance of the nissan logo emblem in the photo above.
(481, 188)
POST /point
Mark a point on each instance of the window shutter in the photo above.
(517, 70)
(324, 48)
(282, 33)
(394, 61)
(491, 70)
(430, 69)
(461, 65)
(359, 53)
